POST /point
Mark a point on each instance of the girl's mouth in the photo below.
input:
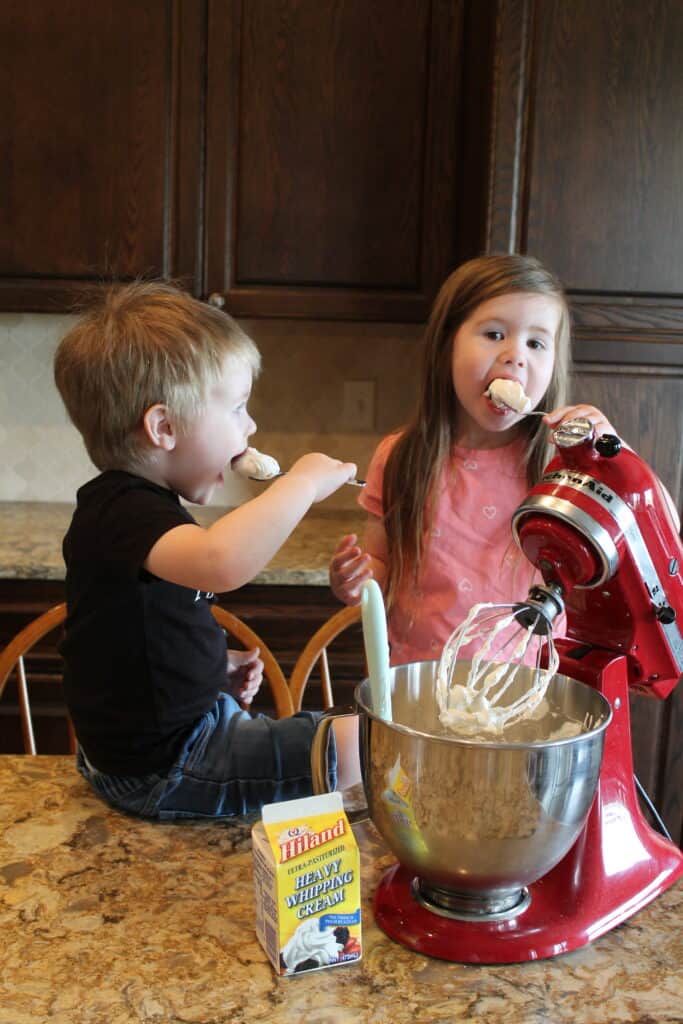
(499, 410)
(508, 395)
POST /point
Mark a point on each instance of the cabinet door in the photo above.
(331, 141)
(587, 159)
(99, 126)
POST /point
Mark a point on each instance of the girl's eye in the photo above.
(535, 343)
(495, 335)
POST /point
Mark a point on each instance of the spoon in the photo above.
(532, 412)
(265, 479)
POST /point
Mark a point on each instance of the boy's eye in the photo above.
(535, 343)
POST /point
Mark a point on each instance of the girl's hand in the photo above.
(245, 674)
(349, 569)
(600, 422)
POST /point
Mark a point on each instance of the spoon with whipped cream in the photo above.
(255, 465)
(509, 394)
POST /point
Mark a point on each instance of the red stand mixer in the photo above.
(599, 530)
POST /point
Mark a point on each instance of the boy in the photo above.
(157, 383)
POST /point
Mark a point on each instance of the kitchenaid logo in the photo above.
(581, 482)
(301, 839)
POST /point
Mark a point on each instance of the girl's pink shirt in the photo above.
(471, 556)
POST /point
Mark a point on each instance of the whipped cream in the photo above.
(508, 394)
(476, 706)
(256, 465)
(309, 942)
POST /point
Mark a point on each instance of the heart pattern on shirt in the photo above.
(489, 511)
(464, 584)
(470, 464)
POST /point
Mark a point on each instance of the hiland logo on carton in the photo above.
(301, 838)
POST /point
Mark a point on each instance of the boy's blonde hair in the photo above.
(137, 345)
(426, 443)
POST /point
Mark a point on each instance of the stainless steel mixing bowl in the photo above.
(482, 818)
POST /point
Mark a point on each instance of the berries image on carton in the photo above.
(307, 884)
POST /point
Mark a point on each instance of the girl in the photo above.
(440, 494)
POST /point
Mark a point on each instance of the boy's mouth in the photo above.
(235, 458)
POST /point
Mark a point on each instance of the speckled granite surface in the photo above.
(105, 918)
(31, 537)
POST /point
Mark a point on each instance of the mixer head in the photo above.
(599, 529)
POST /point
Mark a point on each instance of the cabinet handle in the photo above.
(216, 299)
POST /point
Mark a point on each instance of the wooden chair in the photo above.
(12, 658)
(272, 672)
(316, 651)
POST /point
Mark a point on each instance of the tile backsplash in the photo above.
(297, 401)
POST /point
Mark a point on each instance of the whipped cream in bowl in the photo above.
(254, 465)
(508, 394)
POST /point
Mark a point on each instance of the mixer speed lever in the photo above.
(608, 445)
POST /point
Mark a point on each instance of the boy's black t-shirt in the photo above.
(144, 658)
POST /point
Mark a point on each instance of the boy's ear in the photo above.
(159, 428)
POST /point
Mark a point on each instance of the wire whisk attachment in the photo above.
(510, 636)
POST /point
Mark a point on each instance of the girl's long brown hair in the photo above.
(416, 460)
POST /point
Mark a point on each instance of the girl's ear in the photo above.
(158, 427)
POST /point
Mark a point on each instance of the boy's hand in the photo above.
(326, 475)
(350, 567)
(600, 423)
(245, 674)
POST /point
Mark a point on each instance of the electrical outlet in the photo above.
(359, 405)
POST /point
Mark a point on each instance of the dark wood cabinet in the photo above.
(586, 162)
(332, 153)
(606, 162)
(100, 135)
(336, 158)
(290, 158)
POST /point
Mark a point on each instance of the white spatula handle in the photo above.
(376, 648)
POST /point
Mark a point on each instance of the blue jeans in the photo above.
(229, 764)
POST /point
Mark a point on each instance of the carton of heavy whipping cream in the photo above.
(307, 884)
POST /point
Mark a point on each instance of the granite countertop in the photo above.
(31, 535)
(107, 918)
